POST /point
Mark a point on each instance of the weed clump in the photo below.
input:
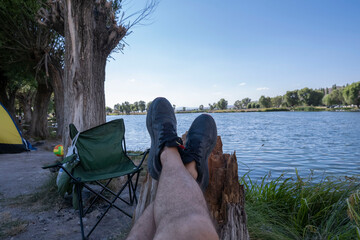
(297, 208)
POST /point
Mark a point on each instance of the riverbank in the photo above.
(281, 109)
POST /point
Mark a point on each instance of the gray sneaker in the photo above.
(200, 141)
(161, 125)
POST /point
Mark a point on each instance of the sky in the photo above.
(196, 52)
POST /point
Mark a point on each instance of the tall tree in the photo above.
(291, 98)
(238, 104)
(222, 104)
(276, 101)
(310, 97)
(351, 94)
(245, 102)
(265, 102)
(25, 43)
(334, 98)
(142, 106)
(92, 31)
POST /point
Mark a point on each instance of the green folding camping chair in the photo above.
(100, 154)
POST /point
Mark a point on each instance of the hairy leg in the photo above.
(180, 210)
(144, 228)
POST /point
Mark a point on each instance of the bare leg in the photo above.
(180, 210)
(144, 228)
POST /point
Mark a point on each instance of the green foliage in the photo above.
(212, 106)
(134, 107)
(292, 98)
(148, 105)
(265, 102)
(288, 208)
(310, 97)
(142, 106)
(222, 104)
(238, 104)
(245, 102)
(126, 106)
(277, 101)
(351, 94)
(201, 107)
(249, 105)
(108, 110)
(334, 98)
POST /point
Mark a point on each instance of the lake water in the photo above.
(325, 143)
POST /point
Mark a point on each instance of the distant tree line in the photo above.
(336, 95)
(127, 108)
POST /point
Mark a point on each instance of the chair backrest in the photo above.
(101, 146)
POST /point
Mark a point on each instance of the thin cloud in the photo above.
(262, 89)
(242, 84)
(132, 80)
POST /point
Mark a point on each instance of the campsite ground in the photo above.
(30, 208)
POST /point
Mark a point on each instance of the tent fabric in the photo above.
(11, 140)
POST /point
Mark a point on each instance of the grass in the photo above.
(10, 227)
(46, 198)
(287, 208)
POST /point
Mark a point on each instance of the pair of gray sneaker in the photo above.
(201, 139)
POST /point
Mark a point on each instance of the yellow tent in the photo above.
(11, 140)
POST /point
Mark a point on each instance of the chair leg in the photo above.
(130, 188)
(97, 196)
(133, 188)
(78, 188)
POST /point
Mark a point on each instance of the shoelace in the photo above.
(167, 131)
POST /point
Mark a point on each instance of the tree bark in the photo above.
(56, 74)
(39, 122)
(88, 42)
(225, 196)
(25, 100)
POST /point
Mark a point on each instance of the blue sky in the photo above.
(196, 52)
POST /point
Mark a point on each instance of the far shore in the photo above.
(283, 109)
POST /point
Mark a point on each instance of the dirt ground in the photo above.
(27, 211)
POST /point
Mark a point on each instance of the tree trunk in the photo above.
(56, 73)
(25, 101)
(85, 62)
(39, 122)
(225, 196)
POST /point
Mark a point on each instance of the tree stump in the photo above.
(225, 196)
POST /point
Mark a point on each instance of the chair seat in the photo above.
(104, 173)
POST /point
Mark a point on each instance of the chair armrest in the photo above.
(59, 164)
(145, 153)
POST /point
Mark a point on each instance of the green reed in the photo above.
(300, 208)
